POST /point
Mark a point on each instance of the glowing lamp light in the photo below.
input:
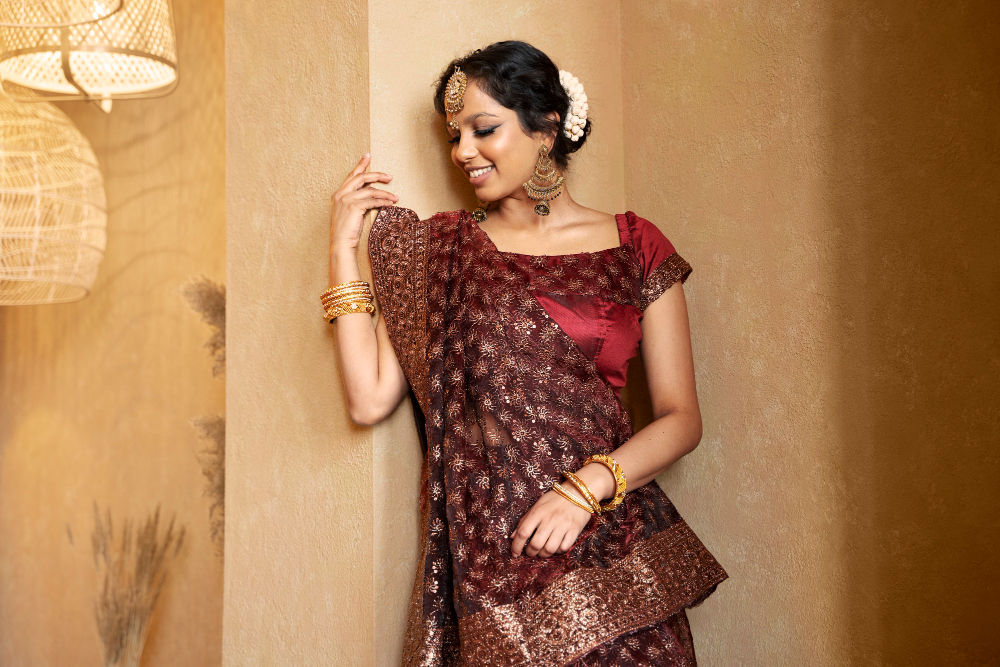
(132, 53)
(54, 13)
(53, 214)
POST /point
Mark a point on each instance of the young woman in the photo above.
(545, 540)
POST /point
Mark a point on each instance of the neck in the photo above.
(518, 210)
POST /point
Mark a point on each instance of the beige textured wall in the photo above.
(299, 484)
(95, 395)
(830, 171)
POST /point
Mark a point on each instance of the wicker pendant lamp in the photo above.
(54, 13)
(130, 54)
(52, 207)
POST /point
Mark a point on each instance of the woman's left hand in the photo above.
(552, 524)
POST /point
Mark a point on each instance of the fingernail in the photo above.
(367, 155)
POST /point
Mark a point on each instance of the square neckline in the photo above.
(624, 241)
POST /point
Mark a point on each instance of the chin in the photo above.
(490, 193)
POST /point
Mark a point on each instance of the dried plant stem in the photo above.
(208, 299)
(213, 466)
(133, 578)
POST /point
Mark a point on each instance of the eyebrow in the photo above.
(478, 115)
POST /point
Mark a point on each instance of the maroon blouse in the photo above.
(608, 332)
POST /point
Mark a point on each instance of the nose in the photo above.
(465, 150)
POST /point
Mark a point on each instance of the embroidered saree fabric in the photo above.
(510, 400)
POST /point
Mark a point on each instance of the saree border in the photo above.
(587, 607)
(397, 249)
(670, 270)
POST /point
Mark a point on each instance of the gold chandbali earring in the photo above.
(545, 184)
(480, 213)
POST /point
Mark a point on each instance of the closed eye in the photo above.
(479, 133)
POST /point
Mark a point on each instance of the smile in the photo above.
(476, 173)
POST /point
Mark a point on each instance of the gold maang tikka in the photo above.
(545, 184)
(454, 93)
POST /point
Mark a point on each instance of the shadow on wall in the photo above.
(916, 195)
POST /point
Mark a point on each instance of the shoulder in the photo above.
(650, 244)
(398, 219)
(396, 226)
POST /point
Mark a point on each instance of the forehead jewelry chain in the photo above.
(545, 184)
(454, 93)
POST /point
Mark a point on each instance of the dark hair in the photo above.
(525, 80)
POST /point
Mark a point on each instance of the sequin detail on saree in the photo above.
(510, 402)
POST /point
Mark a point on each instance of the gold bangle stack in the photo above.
(354, 296)
(620, 483)
(558, 488)
(584, 490)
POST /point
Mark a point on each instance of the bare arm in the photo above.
(677, 429)
(374, 383)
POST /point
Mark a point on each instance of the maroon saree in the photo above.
(509, 401)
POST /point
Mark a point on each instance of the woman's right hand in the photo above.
(352, 200)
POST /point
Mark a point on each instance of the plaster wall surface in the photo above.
(298, 544)
(829, 170)
(410, 43)
(95, 395)
(829, 173)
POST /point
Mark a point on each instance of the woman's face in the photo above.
(491, 148)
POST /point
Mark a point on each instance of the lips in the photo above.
(480, 174)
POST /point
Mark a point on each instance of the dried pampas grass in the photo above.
(133, 578)
(208, 299)
(213, 466)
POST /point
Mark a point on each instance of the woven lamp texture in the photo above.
(53, 214)
(55, 13)
(132, 53)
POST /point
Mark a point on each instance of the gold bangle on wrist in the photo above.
(353, 296)
(346, 299)
(620, 482)
(354, 291)
(558, 488)
(355, 284)
(346, 309)
(584, 490)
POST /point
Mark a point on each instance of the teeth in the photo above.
(479, 172)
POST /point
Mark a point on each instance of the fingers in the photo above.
(551, 548)
(568, 541)
(538, 540)
(361, 181)
(523, 533)
(370, 177)
(377, 198)
(362, 164)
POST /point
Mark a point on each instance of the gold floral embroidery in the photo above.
(509, 402)
(669, 271)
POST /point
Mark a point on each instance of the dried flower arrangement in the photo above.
(208, 299)
(213, 466)
(133, 578)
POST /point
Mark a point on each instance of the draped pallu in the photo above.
(509, 401)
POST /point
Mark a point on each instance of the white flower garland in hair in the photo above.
(576, 116)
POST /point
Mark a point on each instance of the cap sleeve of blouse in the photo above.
(662, 266)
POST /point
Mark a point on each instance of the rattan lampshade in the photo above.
(52, 207)
(55, 13)
(132, 53)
